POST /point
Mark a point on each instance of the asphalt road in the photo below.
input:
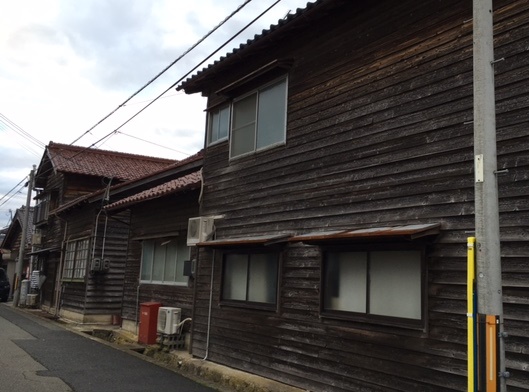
(37, 355)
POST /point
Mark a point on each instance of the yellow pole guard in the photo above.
(471, 275)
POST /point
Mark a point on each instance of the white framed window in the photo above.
(259, 119)
(250, 278)
(162, 261)
(76, 259)
(374, 284)
(218, 124)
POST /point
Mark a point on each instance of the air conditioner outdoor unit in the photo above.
(168, 320)
(199, 229)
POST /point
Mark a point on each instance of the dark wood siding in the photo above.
(159, 217)
(99, 293)
(52, 238)
(379, 134)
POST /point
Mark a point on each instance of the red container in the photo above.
(148, 322)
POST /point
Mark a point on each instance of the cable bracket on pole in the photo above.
(497, 61)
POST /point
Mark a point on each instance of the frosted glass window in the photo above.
(395, 288)
(382, 283)
(250, 277)
(271, 115)
(163, 261)
(243, 128)
(346, 278)
(262, 280)
(219, 124)
(147, 257)
(235, 277)
(259, 120)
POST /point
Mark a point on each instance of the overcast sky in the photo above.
(65, 64)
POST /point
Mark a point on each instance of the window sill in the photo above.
(73, 280)
(253, 152)
(411, 324)
(217, 142)
(249, 305)
(174, 284)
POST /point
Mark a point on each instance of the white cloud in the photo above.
(67, 64)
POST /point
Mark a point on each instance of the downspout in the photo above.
(137, 306)
(95, 236)
(210, 305)
(104, 239)
(58, 293)
(106, 198)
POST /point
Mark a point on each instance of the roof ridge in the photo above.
(70, 147)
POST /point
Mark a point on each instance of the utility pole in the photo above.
(25, 223)
(488, 259)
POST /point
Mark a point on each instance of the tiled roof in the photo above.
(167, 168)
(103, 163)
(16, 224)
(190, 181)
(258, 37)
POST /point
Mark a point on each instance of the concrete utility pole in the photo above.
(25, 223)
(488, 260)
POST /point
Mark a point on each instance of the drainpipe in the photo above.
(58, 293)
(137, 305)
(210, 305)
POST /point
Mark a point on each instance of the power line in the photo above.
(172, 86)
(11, 125)
(156, 144)
(12, 189)
(179, 80)
(166, 68)
(14, 194)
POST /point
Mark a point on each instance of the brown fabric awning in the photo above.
(265, 240)
(408, 232)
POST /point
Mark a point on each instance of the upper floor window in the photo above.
(374, 284)
(162, 261)
(76, 259)
(219, 124)
(259, 119)
(250, 278)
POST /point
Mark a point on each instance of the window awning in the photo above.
(265, 240)
(408, 232)
(42, 251)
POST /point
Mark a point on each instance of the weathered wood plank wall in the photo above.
(379, 133)
(169, 214)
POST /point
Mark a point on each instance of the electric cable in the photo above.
(179, 80)
(13, 195)
(153, 79)
(166, 68)
(21, 131)
(155, 144)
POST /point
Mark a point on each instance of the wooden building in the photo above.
(76, 237)
(157, 248)
(339, 167)
(11, 245)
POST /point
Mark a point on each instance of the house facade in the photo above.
(76, 237)
(11, 243)
(339, 173)
(157, 240)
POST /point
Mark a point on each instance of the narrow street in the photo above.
(39, 355)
